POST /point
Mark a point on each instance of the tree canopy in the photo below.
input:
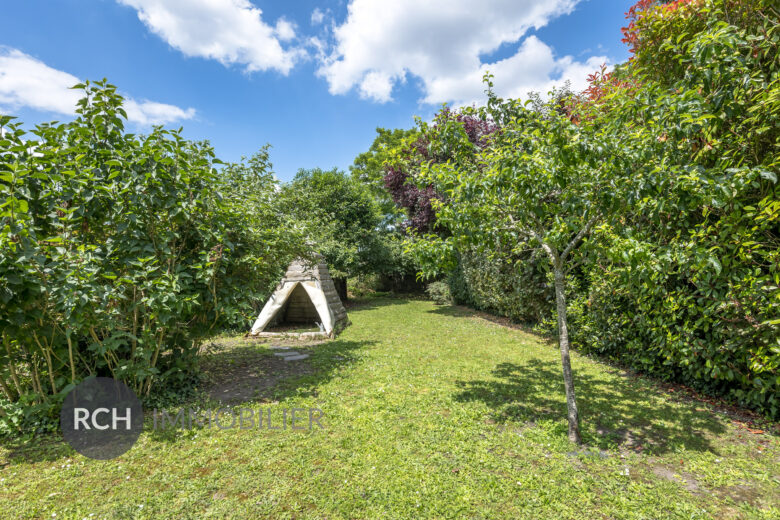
(338, 216)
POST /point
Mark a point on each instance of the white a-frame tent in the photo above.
(306, 295)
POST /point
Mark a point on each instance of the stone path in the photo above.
(287, 354)
(296, 358)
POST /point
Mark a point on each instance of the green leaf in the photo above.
(768, 175)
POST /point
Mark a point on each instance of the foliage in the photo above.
(363, 286)
(402, 180)
(542, 179)
(119, 255)
(439, 292)
(369, 167)
(430, 412)
(339, 217)
(397, 270)
(687, 287)
(513, 285)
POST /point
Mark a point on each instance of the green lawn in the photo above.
(429, 412)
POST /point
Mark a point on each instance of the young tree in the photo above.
(541, 182)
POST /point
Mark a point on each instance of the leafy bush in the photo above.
(362, 286)
(687, 287)
(120, 254)
(506, 284)
(440, 293)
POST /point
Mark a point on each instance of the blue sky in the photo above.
(312, 78)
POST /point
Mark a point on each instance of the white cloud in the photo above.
(376, 85)
(229, 31)
(25, 81)
(28, 82)
(533, 67)
(441, 42)
(153, 113)
(317, 16)
(284, 30)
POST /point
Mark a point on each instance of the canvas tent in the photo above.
(306, 296)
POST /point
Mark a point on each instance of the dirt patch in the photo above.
(688, 481)
(626, 440)
(741, 493)
(248, 371)
(291, 341)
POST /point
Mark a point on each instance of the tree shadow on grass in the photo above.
(47, 448)
(252, 376)
(614, 411)
(375, 302)
(460, 311)
(244, 373)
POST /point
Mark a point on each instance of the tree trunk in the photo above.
(7, 390)
(11, 366)
(563, 339)
(341, 288)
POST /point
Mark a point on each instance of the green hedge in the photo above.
(120, 254)
(500, 283)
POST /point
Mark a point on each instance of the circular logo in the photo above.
(101, 418)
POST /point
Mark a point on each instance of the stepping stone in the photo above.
(296, 358)
(587, 453)
(278, 347)
(287, 353)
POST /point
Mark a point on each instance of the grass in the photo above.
(429, 412)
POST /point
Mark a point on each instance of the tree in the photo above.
(370, 167)
(541, 181)
(119, 254)
(339, 216)
(401, 178)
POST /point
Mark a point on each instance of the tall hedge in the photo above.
(513, 286)
(120, 254)
(688, 286)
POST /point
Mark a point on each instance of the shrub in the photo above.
(362, 286)
(119, 255)
(507, 284)
(440, 293)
